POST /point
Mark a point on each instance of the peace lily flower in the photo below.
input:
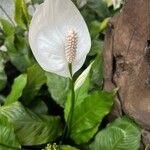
(59, 36)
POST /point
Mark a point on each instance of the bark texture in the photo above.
(127, 61)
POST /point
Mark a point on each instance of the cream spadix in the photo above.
(58, 35)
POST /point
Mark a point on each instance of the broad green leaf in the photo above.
(19, 52)
(88, 115)
(8, 139)
(68, 147)
(58, 87)
(22, 16)
(17, 47)
(32, 129)
(99, 7)
(35, 79)
(16, 89)
(122, 134)
(3, 76)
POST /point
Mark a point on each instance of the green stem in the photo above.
(72, 101)
(67, 128)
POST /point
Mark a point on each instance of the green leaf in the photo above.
(17, 47)
(7, 27)
(16, 89)
(122, 134)
(88, 115)
(3, 76)
(94, 28)
(8, 139)
(58, 87)
(19, 52)
(38, 107)
(97, 47)
(32, 129)
(104, 24)
(99, 7)
(22, 16)
(35, 79)
(68, 147)
(97, 73)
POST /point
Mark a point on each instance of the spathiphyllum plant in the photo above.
(60, 105)
(60, 41)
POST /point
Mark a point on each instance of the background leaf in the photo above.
(58, 87)
(17, 46)
(32, 129)
(88, 115)
(35, 79)
(16, 89)
(99, 7)
(122, 134)
(8, 139)
(22, 16)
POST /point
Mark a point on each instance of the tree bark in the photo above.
(127, 61)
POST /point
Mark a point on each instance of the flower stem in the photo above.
(67, 128)
(72, 101)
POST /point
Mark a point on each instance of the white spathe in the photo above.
(82, 78)
(47, 36)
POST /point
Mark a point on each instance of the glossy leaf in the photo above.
(31, 129)
(122, 134)
(88, 115)
(35, 79)
(58, 87)
(8, 139)
(16, 89)
(22, 16)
